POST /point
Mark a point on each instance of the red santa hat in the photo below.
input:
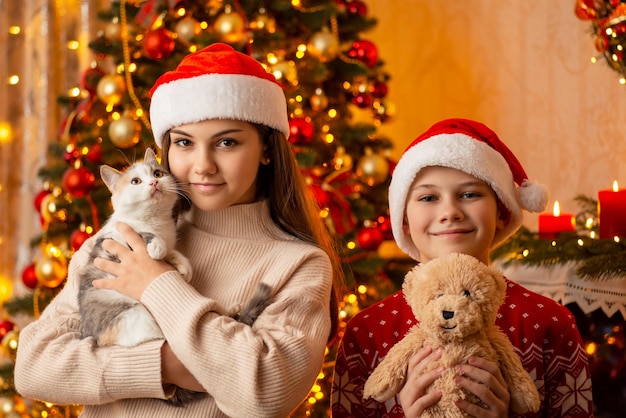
(217, 82)
(475, 149)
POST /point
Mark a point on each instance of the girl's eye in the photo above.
(467, 293)
(227, 143)
(181, 142)
(135, 180)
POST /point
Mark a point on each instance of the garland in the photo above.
(594, 259)
(608, 27)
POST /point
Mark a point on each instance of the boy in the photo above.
(454, 190)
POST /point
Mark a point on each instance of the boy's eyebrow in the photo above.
(472, 183)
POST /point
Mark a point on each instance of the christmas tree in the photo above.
(336, 90)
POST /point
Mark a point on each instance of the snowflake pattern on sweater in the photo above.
(543, 332)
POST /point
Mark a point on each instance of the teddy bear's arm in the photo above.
(524, 394)
(389, 376)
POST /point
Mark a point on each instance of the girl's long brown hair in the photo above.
(292, 205)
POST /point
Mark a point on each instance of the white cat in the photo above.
(146, 197)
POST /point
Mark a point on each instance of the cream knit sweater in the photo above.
(260, 371)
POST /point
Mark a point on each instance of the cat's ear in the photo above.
(109, 176)
(150, 157)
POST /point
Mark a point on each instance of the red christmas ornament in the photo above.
(379, 89)
(71, 154)
(370, 238)
(158, 44)
(78, 181)
(356, 7)
(321, 196)
(384, 223)
(364, 51)
(39, 198)
(301, 131)
(77, 239)
(29, 278)
(94, 154)
(90, 78)
(5, 327)
(362, 100)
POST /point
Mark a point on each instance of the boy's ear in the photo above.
(504, 216)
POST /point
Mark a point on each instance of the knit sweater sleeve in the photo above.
(261, 370)
(54, 364)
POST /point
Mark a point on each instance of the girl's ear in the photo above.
(405, 227)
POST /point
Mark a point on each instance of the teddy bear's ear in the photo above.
(500, 284)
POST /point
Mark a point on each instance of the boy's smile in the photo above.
(448, 210)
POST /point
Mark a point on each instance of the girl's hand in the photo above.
(413, 398)
(136, 269)
(483, 379)
(174, 373)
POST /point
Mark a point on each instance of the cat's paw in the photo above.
(180, 263)
(156, 249)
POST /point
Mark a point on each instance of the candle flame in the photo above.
(557, 209)
(615, 186)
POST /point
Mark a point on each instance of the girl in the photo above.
(454, 190)
(221, 121)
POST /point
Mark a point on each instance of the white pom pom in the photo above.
(533, 197)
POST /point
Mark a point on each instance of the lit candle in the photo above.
(612, 212)
(550, 225)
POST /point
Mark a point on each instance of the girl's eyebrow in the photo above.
(215, 135)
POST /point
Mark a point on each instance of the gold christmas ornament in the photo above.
(319, 100)
(342, 160)
(372, 168)
(6, 288)
(6, 132)
(323, 46)
(51, 270)
(111, 88)
(285, 71)
(124, 132)
(231, 26)
(54, 208)
(384, 110)
(263, 21)
(187, 28)
(113, 30)
(10, 342)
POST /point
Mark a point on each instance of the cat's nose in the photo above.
(448, 314)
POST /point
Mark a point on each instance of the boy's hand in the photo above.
(413, 397)
(483, 379)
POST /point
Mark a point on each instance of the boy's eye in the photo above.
(470, 195)
(428, 198)
(135, 180)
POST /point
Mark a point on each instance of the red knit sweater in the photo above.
(543, 333)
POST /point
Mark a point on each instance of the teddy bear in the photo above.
(455, 299)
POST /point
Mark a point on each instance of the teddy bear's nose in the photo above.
(447, 314)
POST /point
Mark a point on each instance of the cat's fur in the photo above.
(146, 197)
(113, 318)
